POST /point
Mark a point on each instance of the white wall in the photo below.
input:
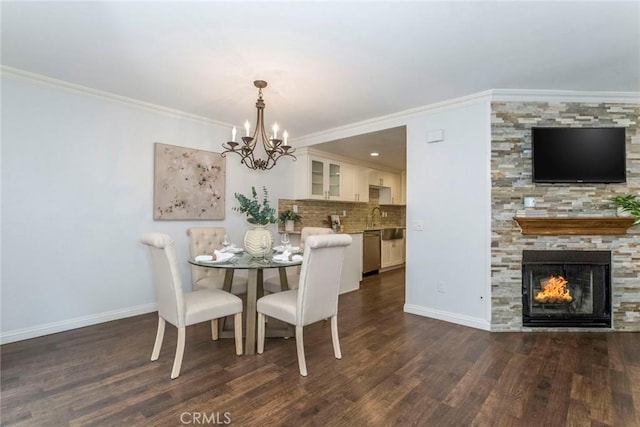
(77, 192)
(449, 190)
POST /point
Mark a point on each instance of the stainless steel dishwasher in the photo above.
(371, 251)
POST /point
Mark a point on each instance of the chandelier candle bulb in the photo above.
(233, 134)
(275, 131)
(285, 135)
(246, 128)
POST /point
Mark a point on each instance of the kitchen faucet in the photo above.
(379, 215)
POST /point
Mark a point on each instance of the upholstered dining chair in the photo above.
(316, 297)
(272, 284)
(204, 240)
(185, 309)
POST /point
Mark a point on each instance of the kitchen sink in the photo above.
(394, 233)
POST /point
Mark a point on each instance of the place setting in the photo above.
(225, 255)
(285, 253)
(285, 246)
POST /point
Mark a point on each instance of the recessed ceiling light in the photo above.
(374, 154)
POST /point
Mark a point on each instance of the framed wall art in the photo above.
(188, 184)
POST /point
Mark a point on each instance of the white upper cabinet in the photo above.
(322, 179)
(355, 184)
(390, 186)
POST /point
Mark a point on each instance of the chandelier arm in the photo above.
(248, 159)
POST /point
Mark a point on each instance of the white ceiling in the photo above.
(328, 64)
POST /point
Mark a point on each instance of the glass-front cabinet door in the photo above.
(317, 179)
(334, 181)
(325, 179)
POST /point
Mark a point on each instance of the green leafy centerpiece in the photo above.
(258, 241)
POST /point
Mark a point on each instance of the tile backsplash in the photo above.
(315, 213)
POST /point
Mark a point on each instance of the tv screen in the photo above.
(590, 155)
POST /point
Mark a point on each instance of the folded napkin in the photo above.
(287, 256)
(232, 249)
(220, 257)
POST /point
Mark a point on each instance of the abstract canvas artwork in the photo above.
(188, 183)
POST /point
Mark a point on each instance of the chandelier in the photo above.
(273, 147)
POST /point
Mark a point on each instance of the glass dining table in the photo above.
(255, 267)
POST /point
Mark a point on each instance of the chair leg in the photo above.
(177, 362)
(334, 337)
(238, 332)
(302, 364)
(159, 337)
(214, 329)
(261, 320)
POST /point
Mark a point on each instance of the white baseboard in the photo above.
(79, 322)
(446, 316)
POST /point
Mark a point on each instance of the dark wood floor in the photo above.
(397, 369)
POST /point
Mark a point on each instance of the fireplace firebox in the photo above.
(566, 289)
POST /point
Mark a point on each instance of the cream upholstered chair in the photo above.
(273, 284)
(185, 309)
(204, 240)
(316, 297)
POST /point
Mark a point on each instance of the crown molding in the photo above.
(543, 95)
(391, 120)
(108, 96)
(499, 95)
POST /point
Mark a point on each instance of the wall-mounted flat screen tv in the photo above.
(576, 155)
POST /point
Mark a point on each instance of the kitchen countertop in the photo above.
(362, 230)
(355, 230)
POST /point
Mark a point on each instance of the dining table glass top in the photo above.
(244, 261)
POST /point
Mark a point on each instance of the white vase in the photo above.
(288, 225)
(258, 241)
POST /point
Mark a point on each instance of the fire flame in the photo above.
(554, 291)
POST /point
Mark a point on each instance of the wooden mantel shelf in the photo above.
(574, 225)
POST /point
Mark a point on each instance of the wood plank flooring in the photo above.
(397, 370)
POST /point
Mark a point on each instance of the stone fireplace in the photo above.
(566, 288)
(511, 124)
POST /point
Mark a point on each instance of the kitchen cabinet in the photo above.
(317, 178)
(380, 178)
(323, 178)
(355, 184)
(392, 253)
(390, 186)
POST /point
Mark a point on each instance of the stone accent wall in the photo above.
(511, 182)
(315, 213)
